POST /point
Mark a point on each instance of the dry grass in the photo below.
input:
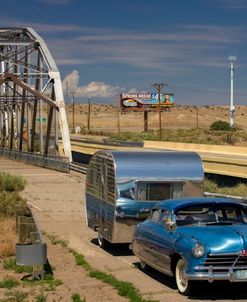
(104, 120)
(104, 117)
(7, 237)
(237, 190)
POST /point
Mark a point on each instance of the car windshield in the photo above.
(212, 214)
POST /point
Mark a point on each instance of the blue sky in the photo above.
(103, 47)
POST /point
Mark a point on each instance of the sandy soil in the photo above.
(74, 279)
(105, 117)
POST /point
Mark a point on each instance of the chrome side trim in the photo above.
(158, 268)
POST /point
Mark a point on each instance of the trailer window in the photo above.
(127, 190)
(148, 191)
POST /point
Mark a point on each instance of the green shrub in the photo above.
(10, 264)
(9, 201)
(76, 298)
(10, 186)
(220, 125)
(9, 283)
(80, 260)
(11, 183)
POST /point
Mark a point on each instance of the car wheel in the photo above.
(101, 241)
(183, 284)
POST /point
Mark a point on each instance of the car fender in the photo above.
(183, 246)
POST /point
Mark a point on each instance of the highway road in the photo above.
(221, 160)
(58, 200)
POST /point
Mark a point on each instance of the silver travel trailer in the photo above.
(122, 186)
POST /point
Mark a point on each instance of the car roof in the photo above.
(175, 204)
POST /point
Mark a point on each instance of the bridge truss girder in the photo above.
(32, 109)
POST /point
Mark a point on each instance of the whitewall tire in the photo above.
(183, 284)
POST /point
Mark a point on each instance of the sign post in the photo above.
(147, 102)
(145, 121)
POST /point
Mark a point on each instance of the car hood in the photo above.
(218, 238)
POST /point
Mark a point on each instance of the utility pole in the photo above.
(88, 113)
(73, 112)
(67, 92)
(197, 117)
(118, 112)
(158, 87)
(232, 108)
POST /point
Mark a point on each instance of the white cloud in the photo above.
(93, 89)
(98, 89)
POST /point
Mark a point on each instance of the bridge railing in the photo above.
(47, 161)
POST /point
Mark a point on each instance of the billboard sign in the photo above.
(145, 101)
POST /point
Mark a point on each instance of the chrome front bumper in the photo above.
(211, 274)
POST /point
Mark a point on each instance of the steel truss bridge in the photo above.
(32, 109)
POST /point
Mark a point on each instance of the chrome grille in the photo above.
(224, 262)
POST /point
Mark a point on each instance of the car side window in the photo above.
(164, 216)
(155, 215)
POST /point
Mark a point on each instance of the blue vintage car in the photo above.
(195, 239)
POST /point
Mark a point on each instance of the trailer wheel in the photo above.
(101, 241)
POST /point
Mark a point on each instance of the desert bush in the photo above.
(7, 237)
(220, 125)
(10, 199)
(11, 183)
(76, 298)
(237, 190)
(9, 202)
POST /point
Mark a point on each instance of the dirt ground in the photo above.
(74, 279)
(58, 200)
(106, 117)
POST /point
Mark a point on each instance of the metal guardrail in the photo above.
(78, 168)
(209, 194)
(122, 143)
(109, 142)
(47, 161)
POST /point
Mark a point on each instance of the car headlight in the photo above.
(198, 250)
